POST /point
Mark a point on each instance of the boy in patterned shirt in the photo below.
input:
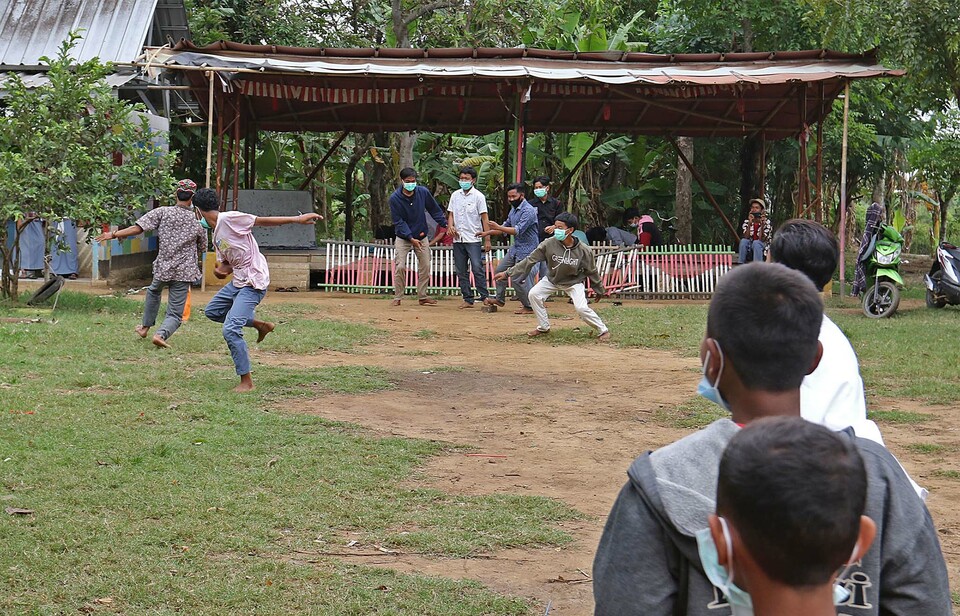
(238, 254)
(181, 241)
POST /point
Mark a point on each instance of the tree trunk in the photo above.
(749, 176)
(684, 207)
(405, 148)
(377, 181)
(10, 276)
(350, 181)
(944, 208)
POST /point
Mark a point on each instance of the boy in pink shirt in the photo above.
(238, 253)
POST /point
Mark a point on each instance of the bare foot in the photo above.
(160, 342)
(524, 311)
(141, 330)
(465, 305)
(263, 328)
(537, 332)
(605, 336)
(246, 384)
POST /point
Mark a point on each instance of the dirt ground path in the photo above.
(567, 421)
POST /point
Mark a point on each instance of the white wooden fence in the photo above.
(665, 272)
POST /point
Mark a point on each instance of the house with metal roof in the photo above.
(113, 31)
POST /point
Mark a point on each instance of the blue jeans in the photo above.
(470, 250)
(234, 307)
(746, 245)
(521, 286)
(541, 270)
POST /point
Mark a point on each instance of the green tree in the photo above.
(70, 149)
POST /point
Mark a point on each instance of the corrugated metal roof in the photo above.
(112, 30)
(476, 90)
(35, 80)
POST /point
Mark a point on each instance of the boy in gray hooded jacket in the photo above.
(761, 340)
(569, 263)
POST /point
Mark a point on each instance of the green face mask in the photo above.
(540, 192)
(204, 223)
(409, 186)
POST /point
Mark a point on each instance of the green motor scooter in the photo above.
(882, 297)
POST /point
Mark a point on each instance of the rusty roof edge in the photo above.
(505, 53)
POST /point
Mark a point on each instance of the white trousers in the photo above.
(545, 288)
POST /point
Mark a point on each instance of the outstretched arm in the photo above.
(119, 234)
(276, 221)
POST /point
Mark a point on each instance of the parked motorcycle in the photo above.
(943, 281)
(882, 298)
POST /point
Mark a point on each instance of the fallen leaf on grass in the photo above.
(104, 601)
(18, 511)
(272, 461)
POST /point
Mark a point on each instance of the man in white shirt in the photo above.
(832, 395)
(466, 220)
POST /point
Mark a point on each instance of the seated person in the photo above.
(755, 233)
(648, 234)
(773, 548)
(761, 340)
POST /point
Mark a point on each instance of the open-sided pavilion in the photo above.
(767, 95)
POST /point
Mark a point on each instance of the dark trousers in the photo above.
(462, 252)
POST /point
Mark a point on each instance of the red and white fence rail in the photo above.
(665, 272)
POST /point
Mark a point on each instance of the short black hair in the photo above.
(766, 319)
(206, 199)
(184, 195)
(543, 179)
(569, 219)
(631, 212)
(517, 186)
(808, 247)
(596, 235)
(469, 171)
(795, 492)
(408, 172)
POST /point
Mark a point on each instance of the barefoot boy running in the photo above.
(181, 241)
(239, 254)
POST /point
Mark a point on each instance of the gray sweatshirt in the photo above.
(565, 266)
(647, 562)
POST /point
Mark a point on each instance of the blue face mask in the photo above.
(409, 186)
(560, 234)
(204, 223)
(540, 192)
(741, 604)
(466, 185)
(709, 390)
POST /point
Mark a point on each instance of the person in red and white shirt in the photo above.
(755, 233)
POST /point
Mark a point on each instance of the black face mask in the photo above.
(515, 202)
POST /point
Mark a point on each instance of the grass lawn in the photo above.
(155, 490)
(911, 355)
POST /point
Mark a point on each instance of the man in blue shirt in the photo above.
(409, 205)
(521, 223)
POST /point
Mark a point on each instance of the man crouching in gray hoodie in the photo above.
(761, 340)
(569, 263)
